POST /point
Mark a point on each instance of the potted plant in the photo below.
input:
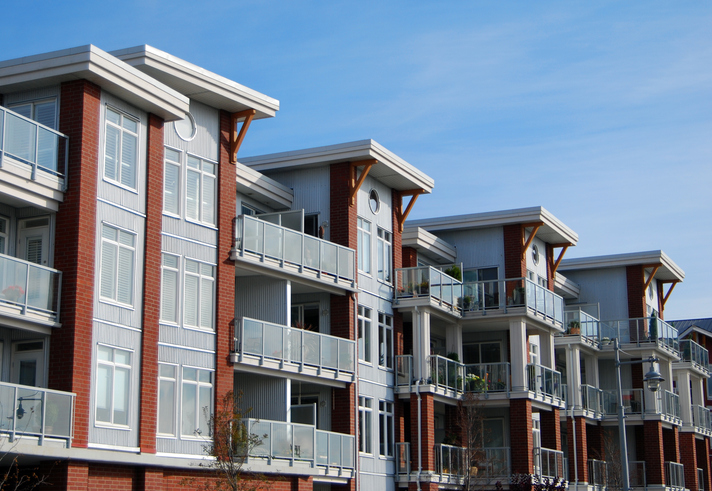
(574, 327)
(454, 272)
(467, 302)
(654, 326)
(13, 292)
(475, 383)
(424, 287)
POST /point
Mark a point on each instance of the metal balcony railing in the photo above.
(294, 442)
(545, 381)
(30, 288)
(702, 417)
(403, 458)
(694, 353)
(548, 462)
(458, 377)
(450, 460)
(641, 330)
(592, 398)
(637, 474)
(31, 143)
(597, 473)
(671, 404)
(700, 479)
(487, 377)
(36, 412)
(579, 322)
(293, 249)
(429, 282)
(674, 475)
(294, 346)
(633, 401)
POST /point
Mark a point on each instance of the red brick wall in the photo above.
(551, 429)
(671, 448)
(520, 414)
(654, 457)
(151, 286)
(343, 216)
(149, 479)
(636, 295)
(515, 265)
(424, 486)
(688, 458)
(75, 243)
(594, 438)
(410, 257)
(703, 461)
(427, 436)
(581, 445)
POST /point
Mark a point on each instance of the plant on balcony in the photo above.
(574, 327)
(454, 272)
(424, 287)
(13, 292)
(529, 482)
(654, 326)
(467, 302)
(474, 383)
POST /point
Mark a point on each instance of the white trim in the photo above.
(187, 348)
(102, 446)
(121, 207)
(193, 241)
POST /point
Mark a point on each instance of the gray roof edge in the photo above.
(625, 259)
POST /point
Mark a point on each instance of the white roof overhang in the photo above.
(429, 245)
(263, 189)
(667, 269)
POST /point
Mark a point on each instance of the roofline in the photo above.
(497, 218)
(423, 241)
(205, 79)
(621, 260)
(342, 152)
(265, 186)
(93, 64)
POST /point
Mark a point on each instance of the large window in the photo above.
(364, 333)
(117, 264)
(170, 272)
(113, 385)
(482, 352)
(167, 399)
(44, 111)
(171, 182)
(364, 245)
(200, 192)
(365, 410)
(385, 340)
(199, 293)
(385, 429)
(121, 149)
(197, 390)
(384, 255)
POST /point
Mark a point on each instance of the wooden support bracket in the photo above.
(667, 295)
(402, 215)
(528, 242)
(354, 184)
(235, 137)
(650, 278)
(561, 255)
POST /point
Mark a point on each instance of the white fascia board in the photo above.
(429, 244)
(198, 83)
(408, 177)
(264, 186)
(562, 233)
(569, 288)
(97, 66)
(668, 271)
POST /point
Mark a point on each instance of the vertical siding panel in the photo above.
(261, 298)
(267, 396)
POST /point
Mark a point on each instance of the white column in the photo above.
(518, 353)
(573, 375)
(546, 345)
(683, 386)
(288, 302)
(697, 391)
(421, 343)
(453, 339)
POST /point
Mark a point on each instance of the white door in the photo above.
(28, 363)
(33, 240)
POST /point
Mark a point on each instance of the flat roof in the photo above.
(668, 270)
(93, 64)
(553, 231)
(429, 245)
(263, 189)
(197, 83)
(392, 170)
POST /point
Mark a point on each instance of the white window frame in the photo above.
(5, 236)
(123, 131)
(364, 245)
(364, 334)
(169, 162)
(365, 412)
(117, 265)
(171, 380)
(199, 412)
(33, 110)
(385, 255)
(385, 338)
(203, 176)
(167, 269)
(386, 428)
(200, 296)
(113, 366)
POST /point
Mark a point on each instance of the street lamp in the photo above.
(652, 380)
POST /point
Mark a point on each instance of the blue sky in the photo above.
(599, 111)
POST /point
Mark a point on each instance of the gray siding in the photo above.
(205, 143)
(31, 95)
(262, 298)
(267, 396)
(605, 286)
(478, 248)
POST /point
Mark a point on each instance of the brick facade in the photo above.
(427, 434)
(688, 458)
(550, 429)
(654, 456)
(520, 421)
(410, 257)
(577, 425)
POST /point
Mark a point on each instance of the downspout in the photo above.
(417, 392)
(574, 428)
(354, 298)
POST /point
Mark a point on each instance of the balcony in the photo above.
(29, 291)
(592, 399)
(674, 475)
(34, 412)
(700, 479)
(429, 285)
(696, 355)
(451, 462)
(598, 473)
(403, 458)
(277, 347)
(667, 404)
(702, 419)
(514, 296)
(549, 463)
(301, 256)
(671, 405)
(286, 445)
(32, 151)
(579, 323)
(641, 331)
(545, 383)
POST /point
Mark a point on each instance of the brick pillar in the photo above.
(69, 475)
(550, 429)
(636, 299)
(703, 461)
(424, 486)
(671, 444)
(151, 286)
(303, 483)
(550, 267)
(688, 458)
(520, 415)
(654, 455)
(225, 278)
(427, 435)
(410, 257)
(75, 242)
(594, 438)
(577, 424)
(515, 265)
(149, 479)
(455, 427)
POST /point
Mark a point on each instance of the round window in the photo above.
(650, 291)
(535, 254)
(185, 128)
(374, 201)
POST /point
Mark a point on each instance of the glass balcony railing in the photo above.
(548, 462)
(700, 479)
(671, 404)
(293, 249)
(458, 377)
(497, 462)
(480, 296)
(545, 381)
(487, 377)
(428, 282)
(28, 142)
(578, 322)
(702, 417)
(598, 473)
(403, 458)
(295, 346)
(404, 370)
(674, 475)
(280, 441)
(637, 474)
(36, 412)
(641, 330)
(450, 460)
(446, 373)
(692, 352)
(633, 401)
(592, 398)
(30, 288)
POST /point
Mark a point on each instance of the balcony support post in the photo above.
(526, 243)
(564, 247)
(354, 184)
(235, 137)
(673, 283)
(400, 214)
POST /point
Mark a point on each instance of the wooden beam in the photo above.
(354, 186)
(561, 256)
(650, 278)
(402, 215)
(667, 295)
(528, 242)
(235, 137)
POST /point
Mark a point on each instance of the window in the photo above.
(374, 202)
(170, 273)
(200, 191)
(364, 245)
(44, 112)
(198, 298)
(385, 254)
(171, 182)
(311, 224)
(249, 210)
(186, 128)
(364, 333)
(535, 278)
(3, 236)
(385, 429)
(365, 413)
(385, 340)
(484, 293)
(195, 406)
(306, 317)
(117, 264)
(112, 385)
(166, 399)
(535, 254)
(121, 150)
(484, 352)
